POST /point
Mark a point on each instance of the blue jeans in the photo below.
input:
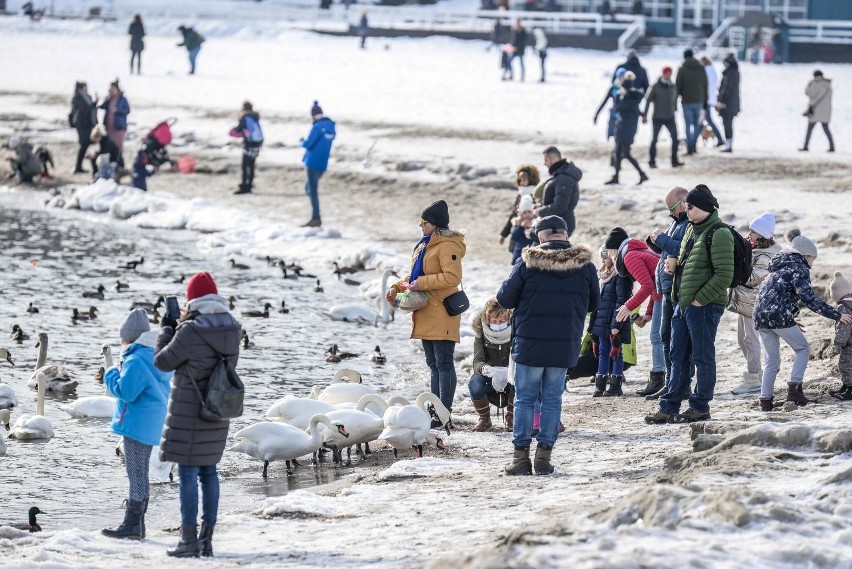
(605, 363)
(479, 386)
(658, 352)
(693, 339)
(189, 477)
(192, 57)
(439, 358)
(312, 191)
(530, 382)
(708, 116)
(692, 118)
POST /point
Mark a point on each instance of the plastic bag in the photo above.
(411, 300)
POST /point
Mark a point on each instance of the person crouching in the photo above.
(489, 382)
(841, 293)
(608, 335)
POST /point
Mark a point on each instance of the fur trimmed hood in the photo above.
(476, 323)
(447, 232)
(556, 258)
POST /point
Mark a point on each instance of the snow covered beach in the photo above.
(775, 493)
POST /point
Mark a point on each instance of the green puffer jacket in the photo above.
(704, 279)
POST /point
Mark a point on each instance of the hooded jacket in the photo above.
(442, 274)
(27, 160)
(692, 82)
(627, 106)
(191, 39)
(632, 64)
(788, 284)
(551, 290)
(249, 129)
(704, 277)
(192, 351)
(664, 96)
(743, 297)
(141, 392)
(122, 109)
(669, 244)
(819, 97)
(729, 89)
(614, 293)
(486, 352)
(562, 192)
(636, 260)
(318, 144)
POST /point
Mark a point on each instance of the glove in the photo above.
(487, 370)
(596, 343)
(168, 321)
(499, 378)
(615, 351)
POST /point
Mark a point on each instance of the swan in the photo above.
(34, 427)
(101, 406)
(270, 441)
(360, 313)
(7, 394)
(56, 375)
(408, 426)
(338, 393)
(297, 411)
(362, 426)
(4, 419)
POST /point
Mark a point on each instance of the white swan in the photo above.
(34, 427)
(408, 426)
(270, 441)
(7, 394)
(100, 406)
(297, 411)
(4, 422)
(361, 426)
(338, 393)
(56, 376)
(362, 313)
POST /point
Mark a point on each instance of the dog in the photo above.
(707, 135)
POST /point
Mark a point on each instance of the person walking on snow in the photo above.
(691, 84)
(363, 28)
(317, 150)
(841, 293)
(664, 97)
(136, 31)
(519, 43)
(819, 108)
(249, 130)
(627, 102)
(712, 98)
(728, 103)
(192, 41)
(562, 190)
(541, 48)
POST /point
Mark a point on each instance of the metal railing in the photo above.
(821, 31)
(633, 32)
(716, 38)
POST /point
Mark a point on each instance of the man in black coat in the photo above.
(519, 42)
(664, 97)
(562, 190)
(632, 64)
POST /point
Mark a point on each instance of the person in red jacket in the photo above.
(635, 259)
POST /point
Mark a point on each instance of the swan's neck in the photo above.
(370, 398)
(108, 359)
(385, 277)
(42, 353)
(385, 310)
(40, 398)
(316, 438)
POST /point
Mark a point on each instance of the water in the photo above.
(52, 256)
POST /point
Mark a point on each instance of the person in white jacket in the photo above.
(712, 92)
(541, 48)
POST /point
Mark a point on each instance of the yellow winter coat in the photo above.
(442, 274)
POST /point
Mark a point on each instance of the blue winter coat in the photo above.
(122, 109)
(519, 236)
(627, 107)
(141, 391)
(788, 283)
(669, 245)
(614, 293)
(551, 288)
(318, 144)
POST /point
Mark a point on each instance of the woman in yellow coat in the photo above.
(436, 269)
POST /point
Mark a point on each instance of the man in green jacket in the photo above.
(699, 294)
(192, 41)
(692, 88)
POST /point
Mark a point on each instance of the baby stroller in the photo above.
(152, 153)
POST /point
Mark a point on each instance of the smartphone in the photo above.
(172, 308)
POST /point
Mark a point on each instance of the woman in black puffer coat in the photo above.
(191, 348)
(83, 118)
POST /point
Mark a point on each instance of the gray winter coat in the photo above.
(743, 296)
(664, 96)
(188, 439)
(819, 97)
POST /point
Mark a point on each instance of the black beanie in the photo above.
(687, 53)
(437, 214)
(701, 197)
(616, 237)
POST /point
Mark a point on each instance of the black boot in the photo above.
(131, 527)
(658, 394)
(656, 381)
(142, 519)
(600, 385)
(205, 539)
(521, 463)
(188, 544)
(542, 459)
(615, 382)
(842, 394)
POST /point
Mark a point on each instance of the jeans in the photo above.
(479, 386)
(708, 116)
(530, 382)
(749, 342)
(137, 456)
(825, 129)
(693, 339)
(439, 358)
(671, 126)
(666, 331)
(794, 338)
(312, 191)
(247, 171)
(542, 55)
(192, 57)
(658, 352)
(692, 119)
(189, 476)
(606, 364)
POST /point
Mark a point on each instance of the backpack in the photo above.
(255, 133)
(742, 254)
(225, 392)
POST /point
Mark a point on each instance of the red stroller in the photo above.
(152, 153)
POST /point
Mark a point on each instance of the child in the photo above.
(106, 169)
(22, 160)
(608, 334)
(841, 293)
(46, 158)
(523, 223)
(526, 179)
(491, 347)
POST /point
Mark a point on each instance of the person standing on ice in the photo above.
(436, 269)
(249, 130)
(142, 395)
(136, 31)
(317, 150)
(841, 293)
(562, 190)
(83, 118)
(775, 312)
(551, 289)
(192, 41)
(728, 103)
(819, 108)
(116, 108)
(363, 28)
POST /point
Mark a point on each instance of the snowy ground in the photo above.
(755, 490)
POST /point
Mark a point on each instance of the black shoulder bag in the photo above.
(457, 302)
(225, 391)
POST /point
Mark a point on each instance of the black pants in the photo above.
(728, 125)
(666, 330)
(249, 156)
(83, 138)
(622, 152)
(827, 132)
(542, 55)
(671, 126)
(137, 55)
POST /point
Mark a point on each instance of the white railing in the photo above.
(821, 31)
(633, 32)
(715, 39)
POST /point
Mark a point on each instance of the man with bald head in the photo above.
(667, 243)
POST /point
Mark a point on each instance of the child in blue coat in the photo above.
(142, 395)
(607, 334)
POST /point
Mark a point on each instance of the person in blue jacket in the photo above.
(116, 108)
(141, 394)
(626, 102)
(317, 149)
(250, 131)
(608, 335)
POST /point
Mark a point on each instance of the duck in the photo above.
(408, 426)
(338, 270)
(155, 316)
(98, 294)
(258, 313)
(179, 280)
(362, 426)
(301, 274)
(247, 343)
(8, 399)
(238, 266)
(34, 427)
(100, 406)
(331, 355)
(360, 313)
(273, 261)
(132, 264)
(58, 379)
(378, 357)
(31, 525)
(318, 287)
(148, 307)
(232, 302)
(90, 314)
(334, 350)
(350, 282)
(99, 375)
(120, 286)
(284, 309)
(31, 309)
(270, 441)
(285, 273)
(293, 267)
(18, 334)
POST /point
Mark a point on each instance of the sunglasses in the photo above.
(674, 207)
(423, 222)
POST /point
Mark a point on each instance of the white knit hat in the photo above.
(840, 287)
(801, 243)
(763, 225)
(525, 204)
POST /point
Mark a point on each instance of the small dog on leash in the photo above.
(707, 135)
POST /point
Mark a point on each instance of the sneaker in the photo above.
(313, 223)
(749, 384)
(691, 416)
(612, 181)
(659, 418)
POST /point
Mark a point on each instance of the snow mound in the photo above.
(303, 504)
(428, 467)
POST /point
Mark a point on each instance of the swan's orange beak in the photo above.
(342, 431)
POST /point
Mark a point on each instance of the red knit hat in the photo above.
(199, 285)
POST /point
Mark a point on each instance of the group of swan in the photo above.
(361, 313)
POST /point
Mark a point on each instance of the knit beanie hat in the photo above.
(840, 287)
(316, 109)
(552, 222)
(438, 214)
(526, 204)
(801, 243)
(200, 284)
(616, 237)
(763, 225)
(701, 197)
(134, 325)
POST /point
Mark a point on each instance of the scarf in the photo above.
(606, 276)
(417, 266)
(493, 337)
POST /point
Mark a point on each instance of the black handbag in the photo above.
(456, 303)
(225, 392)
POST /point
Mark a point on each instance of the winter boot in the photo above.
(642, 177)
(796, 395)
(729, 145)
(749, 384)
(205, 539)
(615, 382)
(142, 520)
(658, 394)
(483, 407)
(510, 415)
(656, 381)
(542, 459)
(131, 527)
(188, 544)
(842, 394)
(766, 404)
(612, 181)
(600, 385)
(520, 462)
(536, 424)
